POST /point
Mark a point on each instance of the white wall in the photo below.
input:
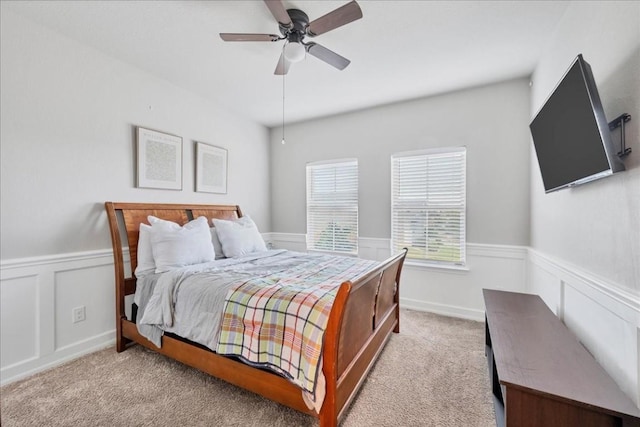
(585, 241)
(68, 142)
(67, 145)
(491, 121)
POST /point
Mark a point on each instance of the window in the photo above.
(332, 206)
(428, 204)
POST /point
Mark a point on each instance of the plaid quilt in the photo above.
(278, 321)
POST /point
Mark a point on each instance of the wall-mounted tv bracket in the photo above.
(619, 122)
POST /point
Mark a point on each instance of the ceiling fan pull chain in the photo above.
(282, 58)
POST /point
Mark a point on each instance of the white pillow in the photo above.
(146, 264)
(217, 246)
(174, 246)
(239, 237)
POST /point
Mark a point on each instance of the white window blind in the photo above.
(428, 204)
(332, 206)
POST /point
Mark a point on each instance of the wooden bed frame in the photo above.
(365, 312)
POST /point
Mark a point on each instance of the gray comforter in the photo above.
(202, 288)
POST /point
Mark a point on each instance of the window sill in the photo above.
(435, 266)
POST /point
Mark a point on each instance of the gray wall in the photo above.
(596, 226)
(491, 121)
(68, 115)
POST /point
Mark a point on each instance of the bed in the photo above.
(362, 316)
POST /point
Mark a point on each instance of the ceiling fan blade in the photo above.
(242, 37)
(328, 56)
(337, 18)
(283, 66)
(279, 12)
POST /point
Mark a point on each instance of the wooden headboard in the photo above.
(124, 223)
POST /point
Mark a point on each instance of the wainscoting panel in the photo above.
(372, 248)
(38, 295)
(290, 241)
(458, 292)
(89, 287)
(19, 306)
(547, 286)
(603, 317)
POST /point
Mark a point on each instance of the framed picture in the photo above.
(159, 160)
(211, 169)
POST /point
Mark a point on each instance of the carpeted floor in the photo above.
(433, 373)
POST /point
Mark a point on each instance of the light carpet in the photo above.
(433, 373)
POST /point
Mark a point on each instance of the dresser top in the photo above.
(535, 351)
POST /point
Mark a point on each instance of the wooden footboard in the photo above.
(364, 313)
(369, 314)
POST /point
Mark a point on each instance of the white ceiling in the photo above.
(399, 50)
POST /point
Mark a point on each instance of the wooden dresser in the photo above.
(540, 373)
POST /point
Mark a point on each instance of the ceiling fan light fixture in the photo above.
(294, 51)
(294, 25)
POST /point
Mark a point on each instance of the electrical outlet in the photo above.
(78, 314)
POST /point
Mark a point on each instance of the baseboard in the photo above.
(66, 354)
(442, 309)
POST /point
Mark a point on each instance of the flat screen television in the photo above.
(571, 134)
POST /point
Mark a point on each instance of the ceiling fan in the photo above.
(295, 26)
